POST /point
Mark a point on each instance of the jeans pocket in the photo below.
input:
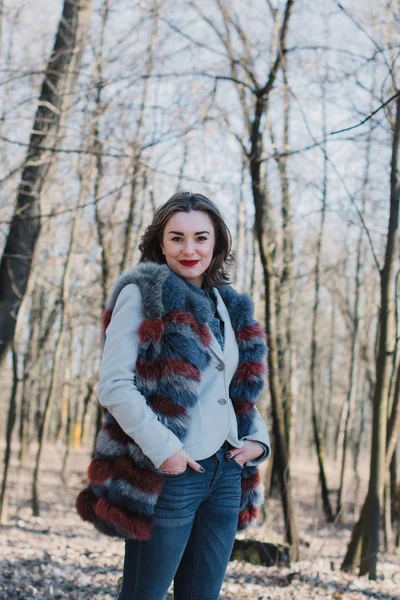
(241, 467)
(175, 475)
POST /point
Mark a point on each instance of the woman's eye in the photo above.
(201, 238)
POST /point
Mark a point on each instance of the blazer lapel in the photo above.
(215, 347)
(228, 331)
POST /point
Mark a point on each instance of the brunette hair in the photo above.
(223, 256)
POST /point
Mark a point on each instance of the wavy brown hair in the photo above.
(223, 255)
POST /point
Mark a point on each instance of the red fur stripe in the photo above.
(247, 333)
(175, 366)
(157, 368)
(251, 482)
(99, 470)
(165, 406)
(151, 330)
(144, 479)
(185, 318)
(136, 527)
(181, 316)
(148, 369)
(204, 335)
(106, 319)
(123, 468)
(247, 370)
(248, 515)
(241, 406)
(117, 434)
(85, 505)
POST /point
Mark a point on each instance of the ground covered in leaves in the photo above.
(56, 555)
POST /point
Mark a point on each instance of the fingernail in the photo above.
(228, 454)
(202, 470)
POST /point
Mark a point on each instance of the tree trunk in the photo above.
(352, 389)
(370, 548)
(328, 406)
(285, 298)
(45, 421)
(390, 463)
(238, 275)
(318, 437)
(369, 534)
(34, 322)
(101, 227)
(265, 245)
(67, 400)
(136, 149)
(58, 352)
(281, 453)
(10, 427)
(86, 403)
(56, 91)
(365, 394)
(266, 248)
(394, 415)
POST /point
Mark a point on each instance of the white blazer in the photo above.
(213, 418)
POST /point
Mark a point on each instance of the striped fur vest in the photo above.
(174, 337)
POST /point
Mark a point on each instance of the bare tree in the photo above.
(62, 341)
(355, 319)
(365, 536)
(58, 83)
(285, 302)
(265, 245)
(10, 427)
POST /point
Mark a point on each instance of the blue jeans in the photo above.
(196, 518)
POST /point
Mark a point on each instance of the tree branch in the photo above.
(368, 117)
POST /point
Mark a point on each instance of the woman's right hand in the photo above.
(178, 462)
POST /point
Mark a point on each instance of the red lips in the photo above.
(189, 263)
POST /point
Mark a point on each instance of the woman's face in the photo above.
(188, 243)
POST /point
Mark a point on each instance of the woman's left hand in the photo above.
(250, 451)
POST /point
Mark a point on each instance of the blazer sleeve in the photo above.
(116, 389)
(260, 435)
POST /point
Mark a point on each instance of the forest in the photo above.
(285, 113)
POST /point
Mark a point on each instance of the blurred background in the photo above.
(284, 113)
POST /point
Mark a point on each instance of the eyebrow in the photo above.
(180, 232)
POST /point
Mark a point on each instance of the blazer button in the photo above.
(220, 367)
(222, 400)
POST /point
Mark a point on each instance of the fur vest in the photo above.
(174, 337)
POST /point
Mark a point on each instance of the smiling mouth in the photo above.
(189, 263)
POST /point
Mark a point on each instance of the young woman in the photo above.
(175, 471)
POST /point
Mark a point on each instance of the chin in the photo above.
(192, 274)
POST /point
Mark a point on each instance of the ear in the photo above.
(162, 248)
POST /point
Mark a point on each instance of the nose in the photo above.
(188, 248)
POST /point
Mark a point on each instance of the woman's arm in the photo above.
(260, 435)
(116, 389)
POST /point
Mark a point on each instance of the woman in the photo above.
(175, 470)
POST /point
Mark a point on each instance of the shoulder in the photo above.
(148, 278)
(127, 312)
(130, 295)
